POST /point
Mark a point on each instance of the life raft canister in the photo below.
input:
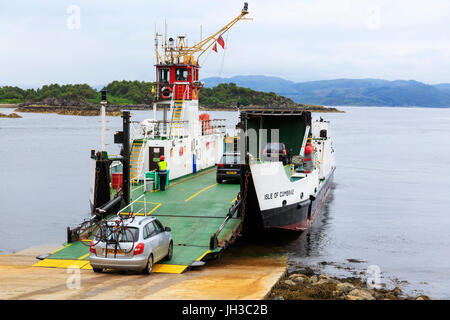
(307, 161)
(166, 92)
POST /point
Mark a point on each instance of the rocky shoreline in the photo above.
(305, 284)
(69, 110)
(11, 115)
(83, 108)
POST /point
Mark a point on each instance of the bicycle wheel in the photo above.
(102, 235)
(125, 239)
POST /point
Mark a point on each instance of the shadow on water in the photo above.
(296, 245)
(312, 241)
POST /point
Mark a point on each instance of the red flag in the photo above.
(215, 47)
(221, 42)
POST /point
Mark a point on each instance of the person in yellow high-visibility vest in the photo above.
(162, 171)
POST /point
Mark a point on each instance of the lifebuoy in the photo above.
(166, 92)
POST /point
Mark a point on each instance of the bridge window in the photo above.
(181, 74)
(195, 75)
(164, 75)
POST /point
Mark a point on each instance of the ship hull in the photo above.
(298, 216)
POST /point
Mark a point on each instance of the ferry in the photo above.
(204, 214)
(278, 195)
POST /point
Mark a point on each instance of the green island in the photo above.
(82, 99)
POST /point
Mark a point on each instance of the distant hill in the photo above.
(353, 92)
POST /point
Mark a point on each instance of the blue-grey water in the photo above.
(389, 206)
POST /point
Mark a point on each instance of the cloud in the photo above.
(298, 40)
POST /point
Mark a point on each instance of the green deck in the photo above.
(193, 207)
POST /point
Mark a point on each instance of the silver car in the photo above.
(152, 243)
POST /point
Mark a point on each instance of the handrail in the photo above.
(141, 161)
(131, 205)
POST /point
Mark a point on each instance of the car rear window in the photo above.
(124, 235)
(230, 159)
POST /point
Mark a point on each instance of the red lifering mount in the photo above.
(166, 92)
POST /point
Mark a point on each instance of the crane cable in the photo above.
(223, 56)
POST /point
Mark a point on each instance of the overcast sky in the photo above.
(45, 42)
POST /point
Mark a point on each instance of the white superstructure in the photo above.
(188, 143)
(279, 186)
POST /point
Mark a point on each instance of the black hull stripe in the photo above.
(295, 216)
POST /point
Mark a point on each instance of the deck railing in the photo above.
(214, 126)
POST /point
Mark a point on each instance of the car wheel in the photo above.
(149, 267)
(98, 270)
(170, 252)
(219, 180)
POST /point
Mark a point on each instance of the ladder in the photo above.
(176, 125)
(136, 159)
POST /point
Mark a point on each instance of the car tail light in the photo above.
(220, 165)
(284, 151)
(92, 248)
(139, 249)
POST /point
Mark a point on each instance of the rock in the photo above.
(362, 294)
(11, 115)
(345, 287)
(296, 275)
(334, 281)
(313, 279)
(278, 298)
(420, 298)
(355, 261)
(307, 271)
(299, 280)
(350, 297)
(289, 282)
(338, 294)
(322, 281)
(323, 277)
(397, 291)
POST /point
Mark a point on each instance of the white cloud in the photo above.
(299, 40)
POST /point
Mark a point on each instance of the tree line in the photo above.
(139, 92)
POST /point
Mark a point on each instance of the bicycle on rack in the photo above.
(111, 231)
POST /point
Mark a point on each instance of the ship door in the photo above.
(154, 154)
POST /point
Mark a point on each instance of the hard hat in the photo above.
(162, 158)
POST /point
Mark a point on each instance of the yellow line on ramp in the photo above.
(196, 194)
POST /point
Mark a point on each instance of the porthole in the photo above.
(315, 190)
(301, 195)
(284, 203)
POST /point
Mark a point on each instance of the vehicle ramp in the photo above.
(195, 207)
